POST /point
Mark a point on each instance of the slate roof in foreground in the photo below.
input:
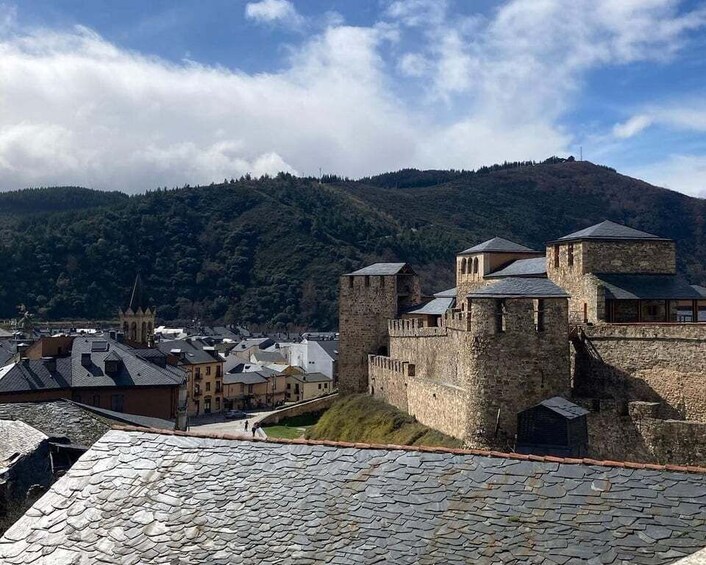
(149, 498)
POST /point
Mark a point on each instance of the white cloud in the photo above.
(632, 127)
(270, 11)
(76, 109)
(685, 173)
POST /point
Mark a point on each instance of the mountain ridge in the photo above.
(269, 251)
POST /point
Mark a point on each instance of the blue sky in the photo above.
(131, 95)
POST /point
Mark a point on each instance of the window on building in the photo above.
(556, 256)
(350, 282)
(218, 372)
(208, 386)
(218, 404)
(464, 266)
(289, 386)
(570, 255)
(319, 386)
(539, 315)
(500, 316)
(475, 265)
(219, 386)
(197, 373)
(208, 370)
(207, 406)
(250, 389)
(117, 402)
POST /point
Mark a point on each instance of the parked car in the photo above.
(235, 415)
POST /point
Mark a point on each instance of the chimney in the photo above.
(49, 363)
(120, 337)
(112, 334)
(86, 359)
(22, 349)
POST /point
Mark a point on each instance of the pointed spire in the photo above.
(138, 298)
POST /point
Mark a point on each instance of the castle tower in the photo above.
(137, 316)
(368, 298)
(475, 265)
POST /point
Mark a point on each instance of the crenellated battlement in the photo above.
(413, 328)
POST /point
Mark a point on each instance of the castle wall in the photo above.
(366, 303)
(645, 257)
(435, 404)
(647, 362)
(515, 369)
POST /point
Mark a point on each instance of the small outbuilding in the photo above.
(553, 427)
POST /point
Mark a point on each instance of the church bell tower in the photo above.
(137, 317)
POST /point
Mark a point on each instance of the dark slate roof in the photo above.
(17, 438)
(449, 293)
(498, 245)
(330, 346)
(535, 267)
(435, 307)
(133, 370)
(146, 498)
(269, 357)
(647, 287)
(250, 378)
(193, 349)
(138, 296)
(611, 231)
(564, 407)
(700, 289)
(33, 375)
(7, 350)
(260, 342)
(58, 418)
(383, 269)
(311, 378)
(518, 287)
(124, 418)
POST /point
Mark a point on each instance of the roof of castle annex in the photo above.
(498, 245)
(648, 287)
(534, 267)
(383, 269)
(519, 287)
(608, 230)
(149, 497)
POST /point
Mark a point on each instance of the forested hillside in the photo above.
(270, 251)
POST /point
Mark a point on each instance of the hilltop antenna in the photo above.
(580, 152)
(320, 175)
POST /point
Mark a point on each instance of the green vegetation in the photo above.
(292, 428)
(269, 252)
(361, 418)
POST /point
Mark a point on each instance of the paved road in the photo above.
(229, 426)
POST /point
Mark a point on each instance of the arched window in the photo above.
(143, 335)
(150, 330)
(464, 265)
(475, 265)
(126, 328)
(133, 332)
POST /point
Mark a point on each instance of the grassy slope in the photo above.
(360, 418)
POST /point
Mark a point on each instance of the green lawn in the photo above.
(292, 428)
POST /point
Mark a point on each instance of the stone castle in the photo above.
(600, 319)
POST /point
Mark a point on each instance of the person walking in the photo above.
(246, 425)
(254, 429)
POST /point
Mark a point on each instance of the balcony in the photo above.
(198, 377)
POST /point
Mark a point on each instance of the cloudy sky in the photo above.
(131, 95)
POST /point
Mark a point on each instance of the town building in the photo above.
(156, 498)
(600, 317)
(313, 356)
(204, 371)
(99, 371)
(307, 386)
(258, 387)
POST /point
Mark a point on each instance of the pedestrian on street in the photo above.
(246, 425)
(254, 429)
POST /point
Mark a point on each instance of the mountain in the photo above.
(56, 199)
(270, 251)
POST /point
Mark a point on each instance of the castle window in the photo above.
(475, 265)
(539, 315)
(367, 280)
(556, 256)
(500, 316)
(570, 256)
(350, 282)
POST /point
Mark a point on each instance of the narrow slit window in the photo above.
(500, 316)
(570, 255)
(556, 256)
(539, 315)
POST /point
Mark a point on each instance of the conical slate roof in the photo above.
(498, 245)
(609, 230)
(138, 298)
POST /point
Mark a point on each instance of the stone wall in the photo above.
(441, 406)
(365, 306)
(636, 432)
(318, 405)
(646, 362)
